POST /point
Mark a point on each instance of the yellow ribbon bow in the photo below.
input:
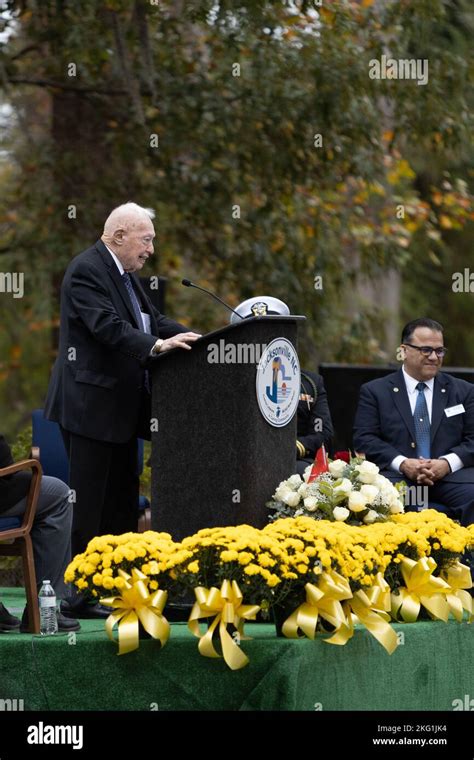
(379, 594)
(135, 605)
(421, 589)
(322, 601)
(225, 605)
(369, 610)
(458, 577)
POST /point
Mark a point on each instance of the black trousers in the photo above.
(105, 482)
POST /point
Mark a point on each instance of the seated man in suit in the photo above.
(417, 424)
(314, 424)
(50, 534)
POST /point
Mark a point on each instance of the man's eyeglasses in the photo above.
(428, 350)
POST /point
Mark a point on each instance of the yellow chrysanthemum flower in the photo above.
(244, 558)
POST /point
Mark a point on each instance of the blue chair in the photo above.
(46, 435)
(15, 531)
(54, 460)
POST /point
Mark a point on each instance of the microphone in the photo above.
(189, 284)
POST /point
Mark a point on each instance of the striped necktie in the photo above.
(134, 300)
(137, 311)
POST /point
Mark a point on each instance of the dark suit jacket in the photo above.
(97, 385)
(384, 429)
(318, 409)
(14, 487)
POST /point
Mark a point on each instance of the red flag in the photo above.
(320, 464)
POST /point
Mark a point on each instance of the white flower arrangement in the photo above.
(352, 492)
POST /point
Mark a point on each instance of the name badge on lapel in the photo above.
(451, 411)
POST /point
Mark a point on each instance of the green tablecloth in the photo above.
(432, 668)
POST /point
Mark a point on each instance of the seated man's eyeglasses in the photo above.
(428, 350)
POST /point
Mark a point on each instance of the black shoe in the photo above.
(7, 622)
(85, 611)
(65, 625)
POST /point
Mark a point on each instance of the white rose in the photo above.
(370, 492)
(387, 493)
(336, 468)
(367, 472)
(294, 482)
(356, 501)
(311, 503)
(396, 507)
(396, 496)
(344, 487)
(292, 499)
(370, 517)
(340, 513)
(282, 491)
(381, 482)
(303, 490)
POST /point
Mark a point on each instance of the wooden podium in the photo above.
(215, 459)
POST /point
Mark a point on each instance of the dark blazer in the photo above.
(97, 387)
(384, 429)
(312, 385)
(14, 487)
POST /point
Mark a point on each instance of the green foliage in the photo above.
(145, 477)
(21, 446)
(246, 198)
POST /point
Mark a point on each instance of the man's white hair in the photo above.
(126, 217)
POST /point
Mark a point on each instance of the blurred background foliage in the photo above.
(209, 113)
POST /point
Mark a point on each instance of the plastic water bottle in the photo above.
(47, 610)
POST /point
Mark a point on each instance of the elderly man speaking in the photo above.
(100, 389)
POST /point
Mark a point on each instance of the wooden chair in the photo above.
(16, 531)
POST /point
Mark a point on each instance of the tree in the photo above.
(255, 132)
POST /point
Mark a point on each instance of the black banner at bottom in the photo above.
(377, 734)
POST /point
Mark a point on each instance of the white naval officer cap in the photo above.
(259, 306)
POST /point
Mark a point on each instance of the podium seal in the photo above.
(278, 382)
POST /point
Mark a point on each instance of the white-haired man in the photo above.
(99, 389)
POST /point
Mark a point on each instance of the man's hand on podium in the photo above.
(177, 341)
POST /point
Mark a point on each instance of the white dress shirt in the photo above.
(453, 460)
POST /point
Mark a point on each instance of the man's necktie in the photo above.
(422, 423)
(136, 310)
(134, 300)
